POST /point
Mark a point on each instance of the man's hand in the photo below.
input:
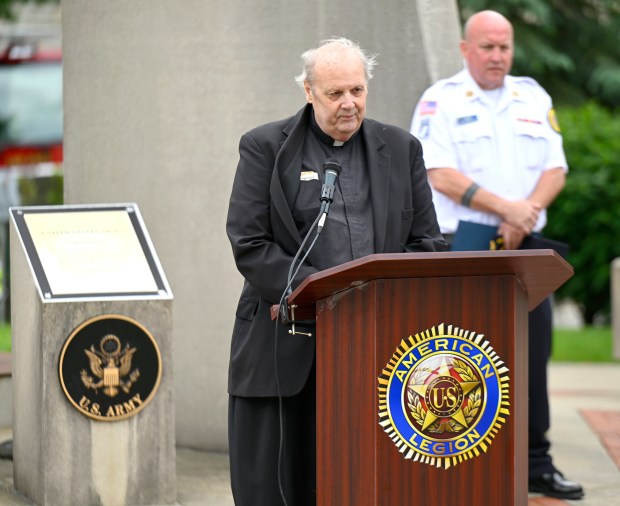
(522, 215)
(513, 237)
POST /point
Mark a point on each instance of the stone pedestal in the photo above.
(61, 456)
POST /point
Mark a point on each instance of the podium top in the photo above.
(540, 272)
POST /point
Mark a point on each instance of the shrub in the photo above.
(586, 214)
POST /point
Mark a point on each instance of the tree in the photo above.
(570, 46)
(585, 214)
(6, 7)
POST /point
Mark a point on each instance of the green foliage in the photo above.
(570, 46)
(7, 7)
(585, 214)
(41, 190)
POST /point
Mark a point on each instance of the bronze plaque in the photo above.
(98, 251)
(110, 367)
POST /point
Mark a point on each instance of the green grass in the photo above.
(590, 344)
(5, 337)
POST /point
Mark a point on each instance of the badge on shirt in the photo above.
(308, 175)
(553, 120)
(466, 119)
(425, 129)
(428, 107)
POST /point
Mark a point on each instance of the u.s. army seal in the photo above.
(110, 367)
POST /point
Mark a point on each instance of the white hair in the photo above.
(308, 59)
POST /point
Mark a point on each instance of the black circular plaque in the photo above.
(110, 367)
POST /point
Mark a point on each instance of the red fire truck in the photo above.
(31, 127)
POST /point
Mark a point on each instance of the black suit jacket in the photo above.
(264, 238)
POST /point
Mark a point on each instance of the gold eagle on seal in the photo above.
(111, 365)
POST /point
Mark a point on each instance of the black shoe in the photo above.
(555, 485)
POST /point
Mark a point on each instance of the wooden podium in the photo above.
(364, 310)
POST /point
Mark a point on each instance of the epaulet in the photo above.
(443, 84)
(526, 81)
(531, 87)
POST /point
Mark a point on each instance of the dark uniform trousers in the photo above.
(540, 337)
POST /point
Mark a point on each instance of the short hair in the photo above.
(308, 59)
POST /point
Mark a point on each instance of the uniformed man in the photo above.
(493, 152)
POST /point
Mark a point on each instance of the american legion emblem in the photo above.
(110, 367)
(443, 396)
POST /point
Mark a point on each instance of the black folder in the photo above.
(471, 236)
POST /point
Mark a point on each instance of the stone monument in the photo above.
(93, 413)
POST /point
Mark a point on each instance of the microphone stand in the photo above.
(285, 318)
(291, 274)
(327, 193)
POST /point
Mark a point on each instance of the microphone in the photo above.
(331, 169)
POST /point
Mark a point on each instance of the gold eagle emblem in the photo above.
(111, 367)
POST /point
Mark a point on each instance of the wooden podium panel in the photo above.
(363, 313)
(357, 462)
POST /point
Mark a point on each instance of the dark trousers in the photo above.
(540, 335)
(254, 442)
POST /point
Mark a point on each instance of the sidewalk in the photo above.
(585, 430)
(585, 433)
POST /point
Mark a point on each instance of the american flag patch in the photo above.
(428, 107)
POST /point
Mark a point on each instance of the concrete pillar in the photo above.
(157, 95)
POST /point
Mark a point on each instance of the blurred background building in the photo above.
(31, 117)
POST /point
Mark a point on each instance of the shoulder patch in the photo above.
(428, 107)
(553, 120)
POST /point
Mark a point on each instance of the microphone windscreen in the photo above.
(332, 164)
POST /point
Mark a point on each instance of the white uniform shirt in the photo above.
(503, 145)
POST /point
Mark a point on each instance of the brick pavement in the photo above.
(606, 425)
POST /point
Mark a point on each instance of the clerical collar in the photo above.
(323, 137)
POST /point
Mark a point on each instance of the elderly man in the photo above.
(493, 151)
(382, 203)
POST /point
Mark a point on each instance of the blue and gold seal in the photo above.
(443, 396)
